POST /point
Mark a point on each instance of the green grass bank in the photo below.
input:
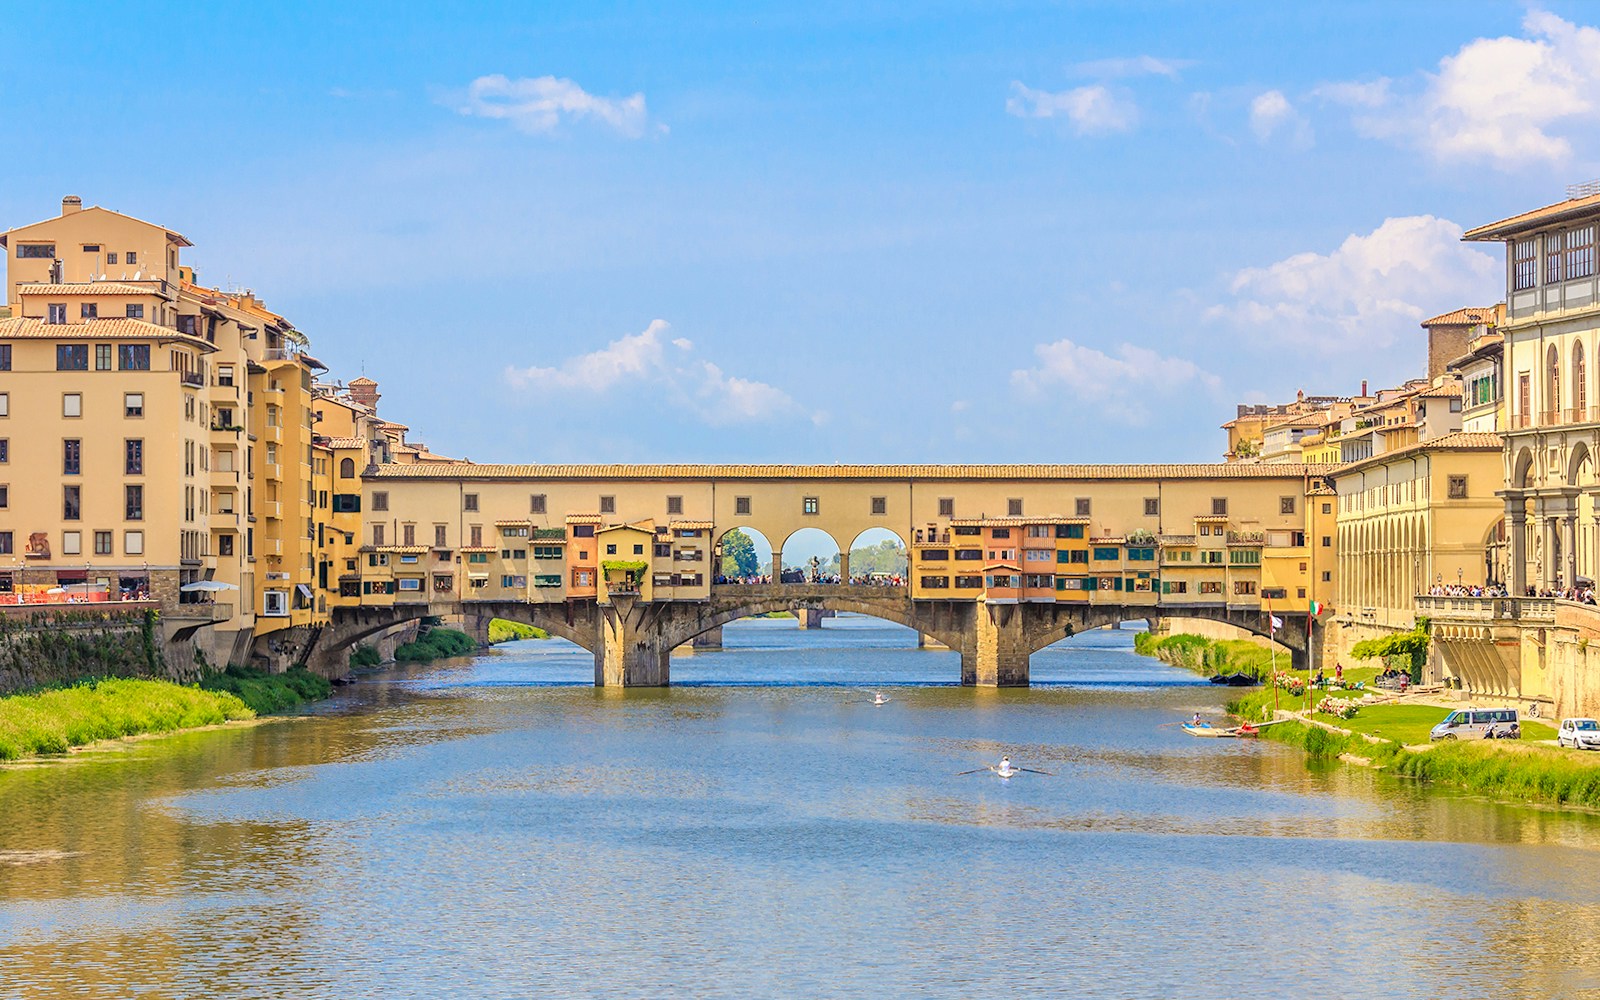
(1521, 771)
(501, 630)
(437, 644)
(265, 693)
(56, 720)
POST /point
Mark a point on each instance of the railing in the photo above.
(192, 378)
(200, 611)
(932, 538)
(1179, 539)
(1247, 537)
(1483, 609)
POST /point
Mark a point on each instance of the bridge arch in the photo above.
(803, 544)
(761, 546)
(873, 539)
(890, 605)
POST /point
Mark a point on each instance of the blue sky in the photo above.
(822, 232)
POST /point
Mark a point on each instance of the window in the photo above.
(608, 505)
(71, 404)
(1327, 576)
(1219, 506)
(71, 503)
(947, 506)
(131, 257)
(469, 501)
(880, 505)
(71, 457)
(1552, 382)
(91, 248)
(1579, 252)
(5, 450)
(1069, 531)
(536, 504)
(135, 310)
(1286, 505)
(809, 505)
(72, 543)
(741, 506)
(1327, 541)
(72, 357)
(1141, 554)
(345, 503)
(968, 555)
(1081, 506)
(476, 533)
(377, 534)
(969, 582)
(111, 257)
(133, 504)
(5, 404)
(1244, 588)
(638, 550)
(1525, 265)
(88, 310)
(133, 456)
(1014, 507)
(408, 534)
(133, 404)
(42, 251)
(611, 550)
(674, 505)
(1458, 487)
(380, 500)
(1106, 553)
(224, 545)
(55, 313)
(438, 536)
(102, 543)
(1327, 508)
(5, 357)
(936, 583)
(1152, 506)
(133, 357)
(1552, 258)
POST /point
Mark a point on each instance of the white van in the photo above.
(1479, 724)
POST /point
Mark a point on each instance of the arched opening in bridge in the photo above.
(743, 555)
(877, 556)
(810, 555)
(1106, 657)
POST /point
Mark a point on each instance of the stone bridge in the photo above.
(632, 640)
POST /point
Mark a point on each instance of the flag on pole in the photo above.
(1277, 623)
(1317, 608)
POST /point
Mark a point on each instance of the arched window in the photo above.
(347, 468)
(1580, 383)
(1552, 385)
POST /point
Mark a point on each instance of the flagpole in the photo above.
(1272, 649)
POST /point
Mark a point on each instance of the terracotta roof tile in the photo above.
(346, 442)
(86, 288)
(1233, 470)
(121, 329)
(1459, 441)
(1470, 316)
(1532, 220)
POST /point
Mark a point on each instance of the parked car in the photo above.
(1479, 724)
(1580, 734)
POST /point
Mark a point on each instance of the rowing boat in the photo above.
(1213, 731)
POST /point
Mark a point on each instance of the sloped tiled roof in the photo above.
(1234, 470)
(346, 442)
(1531, 220)
(34, 328)
(1470, 316)
(1459, 441)
(85, 288)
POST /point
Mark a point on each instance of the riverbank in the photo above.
(1391, 734)
(60, 719)
(266, 693)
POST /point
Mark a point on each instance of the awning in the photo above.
(304, 590)
(207, 587)
(477, 576)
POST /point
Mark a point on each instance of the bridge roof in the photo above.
(1216, 470)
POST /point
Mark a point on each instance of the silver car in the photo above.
(1580, 734)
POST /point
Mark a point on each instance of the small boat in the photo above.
(1212, 731)
(1236, 680)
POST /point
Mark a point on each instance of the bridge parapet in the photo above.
(1452, 610)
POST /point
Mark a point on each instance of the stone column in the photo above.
(844, 567)
(812, 617)
(998, 655)
(1516, 545)
(710, 639)
(1569, 547)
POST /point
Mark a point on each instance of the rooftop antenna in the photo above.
(1586, 189)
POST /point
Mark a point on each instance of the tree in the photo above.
(1410, 646)
(738, 554)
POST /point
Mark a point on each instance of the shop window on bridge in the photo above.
(1000, 533)
(408, 560)
(513, 581)
(1275, 593)
(936, 583)
(1211, 556)
(1210, 586)
(968, 529)
(1104, 553)
(965, 555)
(477, 557)
(969, 582)
(1244, 557)
(377, 559)
(410, 583)
(1244, 588)
(1000, 581)
(1069, 530)
(662, 579)
(583, 531)
(1074, 583)
(547, 580)
(1141, 554)
(1039, 580)
(1073, 556)
(350, 588)
(1142, 585)
(443, 583)
(377, 586)
(1174, 586)
(935, 555)
(1037, 555)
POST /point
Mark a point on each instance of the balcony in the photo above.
(272, 470)
(1247, 538)
(192, 378)
(216, 611)
(272, 508)
(932, 538)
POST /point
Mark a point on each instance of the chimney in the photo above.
(71, 203)
(365, 392)
(1363, 387)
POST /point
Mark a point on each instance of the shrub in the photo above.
(365, 656)
(266, 693)
(437, 644)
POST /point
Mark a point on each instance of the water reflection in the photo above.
(496, 827)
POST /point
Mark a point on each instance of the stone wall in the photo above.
(65, 647)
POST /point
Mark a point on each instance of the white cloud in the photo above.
(1368, 294)
(1353, 94)
(539, 105)
(1120, 385)
(1092, 110)
(1146, 65)
(1508, 102)
(1272, 114)
(648, 365)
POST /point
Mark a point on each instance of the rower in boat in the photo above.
(1006, 769)
(879, 699)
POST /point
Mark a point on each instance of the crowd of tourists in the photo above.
(1467, 590)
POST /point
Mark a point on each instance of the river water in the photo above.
(499, 828)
